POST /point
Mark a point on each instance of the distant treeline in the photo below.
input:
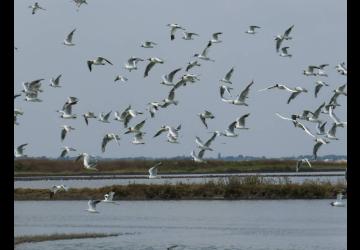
(32, 166)
(251, 187)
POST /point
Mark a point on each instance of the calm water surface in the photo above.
(248, 225)
(96, 183)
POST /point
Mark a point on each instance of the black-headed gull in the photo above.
(241, 98)
(192, 64)
(319, 85)
(168, 79)
(107, 138)
(55, 82)
(173, 28)
(66, 112)
(204, 53)
(205, 115)
(104, 117)
(199, 157)
(68, 39)
(33, 86)
(189, 35)
(320, 128)
(301, 162)
(35, 7)
(206, 145)
(227, 77)
(296, 123)
(215, 37)
(57, 188)
(152, 108)
(66, 150)
(240, 122)
(339, 201)
(310, 71)
(318, 143)
(138, 138)
(252, 29)
(286, 34)
(19, 151)
(277, 86)
(98, 61)
(153, 171)
(65, 130)
(335, 118)
(109, 198)
(88, 115)
(89, 162)
(148, 44)
(331, 134)
(153, 61)
(340, 90)
(341, 68)
(170, 99)
(295, 93)
(32, 97)
(121, 116)
(224, 88)
(126, 115)
(284, 52)
(136, 128)
(92, 206)
(171, 130)
(132, 63)
(321, 71)
(121, 78)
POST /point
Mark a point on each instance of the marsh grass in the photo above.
(250, 187)
(40, 238)
(32, 166)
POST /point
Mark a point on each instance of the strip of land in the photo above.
(251, 187)
(45, 167)
(40, 238)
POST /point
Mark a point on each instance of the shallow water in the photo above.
(96, 183)
(275, 224)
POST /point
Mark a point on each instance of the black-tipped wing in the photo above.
(106, 60)
(245, 92)
(208, 142)
(287, 32)
(148, 68)
(172, 74)
(63, 134)
(104, 143)
(89, 64)
(203, 121)
(140, 125)
(159, 132)
(292, 96)
(229, 74)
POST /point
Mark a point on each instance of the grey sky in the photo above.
(115, 29)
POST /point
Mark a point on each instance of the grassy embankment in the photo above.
(32, 167)
(253, 187)
(40, 238)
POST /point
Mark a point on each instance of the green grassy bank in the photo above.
(32, 167)
(231, 188)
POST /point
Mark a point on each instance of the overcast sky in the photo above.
(115, 29)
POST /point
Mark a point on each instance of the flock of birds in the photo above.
(32, 89)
